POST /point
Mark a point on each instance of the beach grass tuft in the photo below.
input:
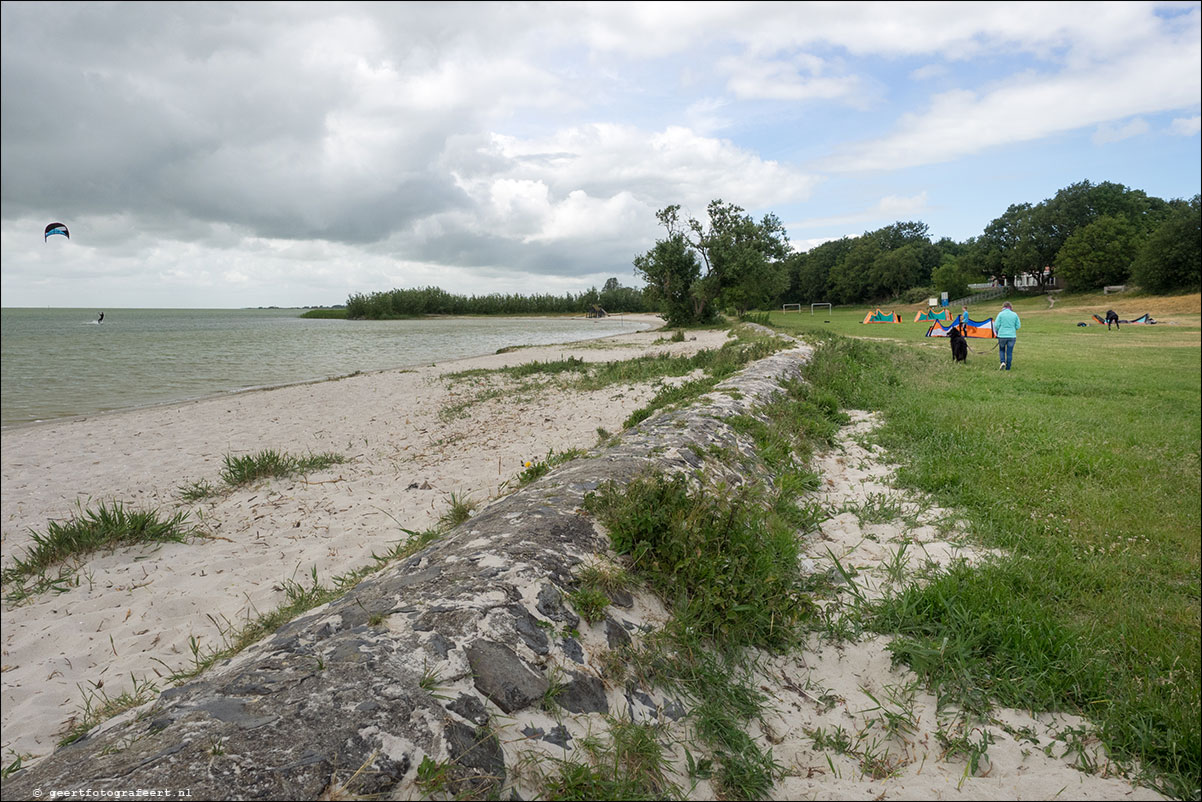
(99, 706)
(629, 762)
(461, 510)
(90, 530)
(248, 469)
(269, 463)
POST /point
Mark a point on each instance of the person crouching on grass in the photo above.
(1006, 327)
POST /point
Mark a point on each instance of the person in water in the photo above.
(101, 318)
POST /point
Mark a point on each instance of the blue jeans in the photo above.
(1005, 350)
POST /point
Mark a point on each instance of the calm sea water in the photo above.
(60, 363)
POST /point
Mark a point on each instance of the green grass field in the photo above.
(1082, 464)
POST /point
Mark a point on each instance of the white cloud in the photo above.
(888, 209)
(1186, 126)
(1111, 132)
(612, 178)
(803, 245)
(799, 77)
(345, 147)
(1033, 106)
(899, 206)
(929, 72)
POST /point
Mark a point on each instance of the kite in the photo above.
(56, 228)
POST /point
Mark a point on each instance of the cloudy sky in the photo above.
(228, 155)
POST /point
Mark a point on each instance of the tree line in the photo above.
(1087, 236)
(400, 303)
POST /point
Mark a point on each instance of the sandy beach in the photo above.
(135, 614)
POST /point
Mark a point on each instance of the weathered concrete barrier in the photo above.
(445, 657)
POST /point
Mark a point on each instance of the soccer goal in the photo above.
(792, 307)
(828, 308)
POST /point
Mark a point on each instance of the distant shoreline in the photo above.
(145, 359)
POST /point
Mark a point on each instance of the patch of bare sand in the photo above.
(846, 724)
(410, 442)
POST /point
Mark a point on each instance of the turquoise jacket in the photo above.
(1007, 324)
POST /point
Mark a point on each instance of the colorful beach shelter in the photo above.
(931, 315)
(877, 316)
(981, 329)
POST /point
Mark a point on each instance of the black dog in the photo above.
(959, 345)
(1111, 317)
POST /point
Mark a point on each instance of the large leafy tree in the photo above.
(1171, 258)
(671, 271)
(810, 271)
(1099, 253)
(741, 261)
(849, 278)
(997, 251)
(897, 270)
(952, 277)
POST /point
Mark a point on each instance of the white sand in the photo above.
(134, 613)
(850, 690)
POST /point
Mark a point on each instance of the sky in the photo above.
(226, 155)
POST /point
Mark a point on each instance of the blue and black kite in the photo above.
(56, 228)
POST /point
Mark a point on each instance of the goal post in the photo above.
(795, 307)
(828, 308)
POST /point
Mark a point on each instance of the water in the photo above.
(60, 363)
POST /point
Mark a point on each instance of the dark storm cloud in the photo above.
(220, 112)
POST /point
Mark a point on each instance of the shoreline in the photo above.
(651, 321)
(135, 611)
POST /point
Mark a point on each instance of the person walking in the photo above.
(1006, 325)
(964, 321)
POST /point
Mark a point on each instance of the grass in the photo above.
(538, 468)
(630, 763)
(268, 464)
(579, 375)
(1082, 465)
(248, 469)
(299, 599)
(89, 531)
(461, 509)
(99, 706)
(726, 562)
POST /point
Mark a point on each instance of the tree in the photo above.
(1171, 258)
(741, 260)
(848, 281)
(671, 270)
(893, 272)
(814, 269)
(1098, 254)
(951, 277)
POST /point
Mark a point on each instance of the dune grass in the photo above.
(1082, 465)
(268, 463)
(711, 365)
(248, 469)
(726, 560)
(88, 531)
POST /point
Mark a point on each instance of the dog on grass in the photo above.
(959, 345)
